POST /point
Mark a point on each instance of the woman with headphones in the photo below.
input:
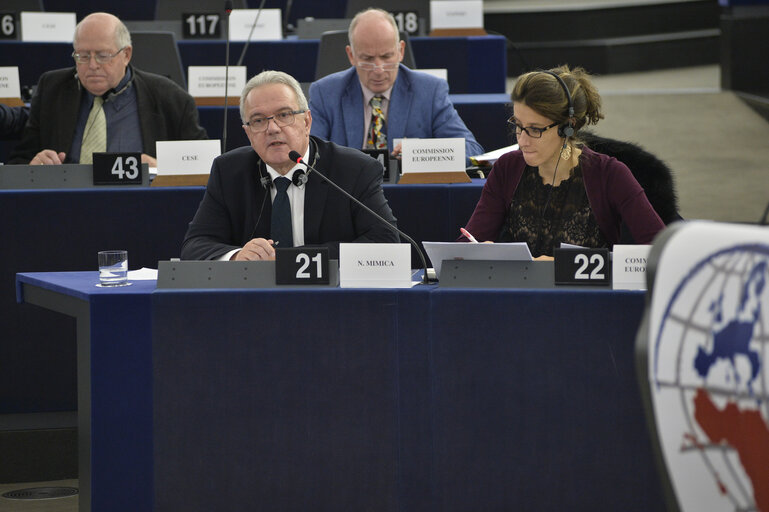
(554, 189)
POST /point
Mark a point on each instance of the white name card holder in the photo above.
(10, 90)
(206, 84)
(267, 27)
(375, 265)
(441, 73)
(629, 267)
(226, 274)
(48, 27)
(453, 18)
(184, 163)
(433, 161)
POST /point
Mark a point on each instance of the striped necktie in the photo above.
(95, 132)
(377, 138)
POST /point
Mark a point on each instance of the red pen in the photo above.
(467, 235)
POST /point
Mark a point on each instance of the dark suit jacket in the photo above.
(237, 208)
(166, 112)
(419, 108)
(12, 121)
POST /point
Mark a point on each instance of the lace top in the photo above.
(545, 216)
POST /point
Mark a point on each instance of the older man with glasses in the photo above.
(379, 99)
(258, 198)
(104, 103)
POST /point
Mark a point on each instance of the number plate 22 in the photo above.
(582, 267)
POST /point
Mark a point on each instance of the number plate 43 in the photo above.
(117, 169)
(582, 267)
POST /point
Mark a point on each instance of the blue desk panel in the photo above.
(484, 114)
(475, 64)
(62, 230)
(421, 399)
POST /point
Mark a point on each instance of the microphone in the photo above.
(296, 157)
(762, 222)
(227, 11)
(287, 15)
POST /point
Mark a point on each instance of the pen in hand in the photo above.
(467, 235)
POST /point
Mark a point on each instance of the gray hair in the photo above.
(382, 13)
(122, 34)
(272, 77)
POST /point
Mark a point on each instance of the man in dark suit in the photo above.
(236, 219)
(413, 104)
(12, 121)
(103, 90)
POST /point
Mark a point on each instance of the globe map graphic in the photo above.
(709, 381)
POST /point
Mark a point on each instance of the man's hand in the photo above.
(397, 151)
(48, 157)
(146, 159)
(256, 249)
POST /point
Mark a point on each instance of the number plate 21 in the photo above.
(301, 265)
(582, 267)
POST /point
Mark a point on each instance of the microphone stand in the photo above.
(762, 222)
(296, 157)
(227, 11)
(253, 26)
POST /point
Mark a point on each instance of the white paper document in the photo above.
(143, 274)
(492, 156)
(440, 251)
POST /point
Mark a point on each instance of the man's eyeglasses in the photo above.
(531, 131)
(370, 66)
(101, 57)
(259, 124)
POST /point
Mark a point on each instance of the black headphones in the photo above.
(112, 93)
(298, 179)
(566, 130)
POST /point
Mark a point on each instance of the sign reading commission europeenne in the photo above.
(433, 155)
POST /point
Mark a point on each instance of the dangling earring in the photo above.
(566, 151)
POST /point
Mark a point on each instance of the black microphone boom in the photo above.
(296, 157)
(762, 222)
(253, 26)
(227, 11)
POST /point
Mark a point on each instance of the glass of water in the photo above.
(113, 268)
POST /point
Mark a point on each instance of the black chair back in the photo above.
(422, 7)
(173, 9)
(157, 52)
(21, 5)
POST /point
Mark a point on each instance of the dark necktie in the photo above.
(280, 227)
(377, 139)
